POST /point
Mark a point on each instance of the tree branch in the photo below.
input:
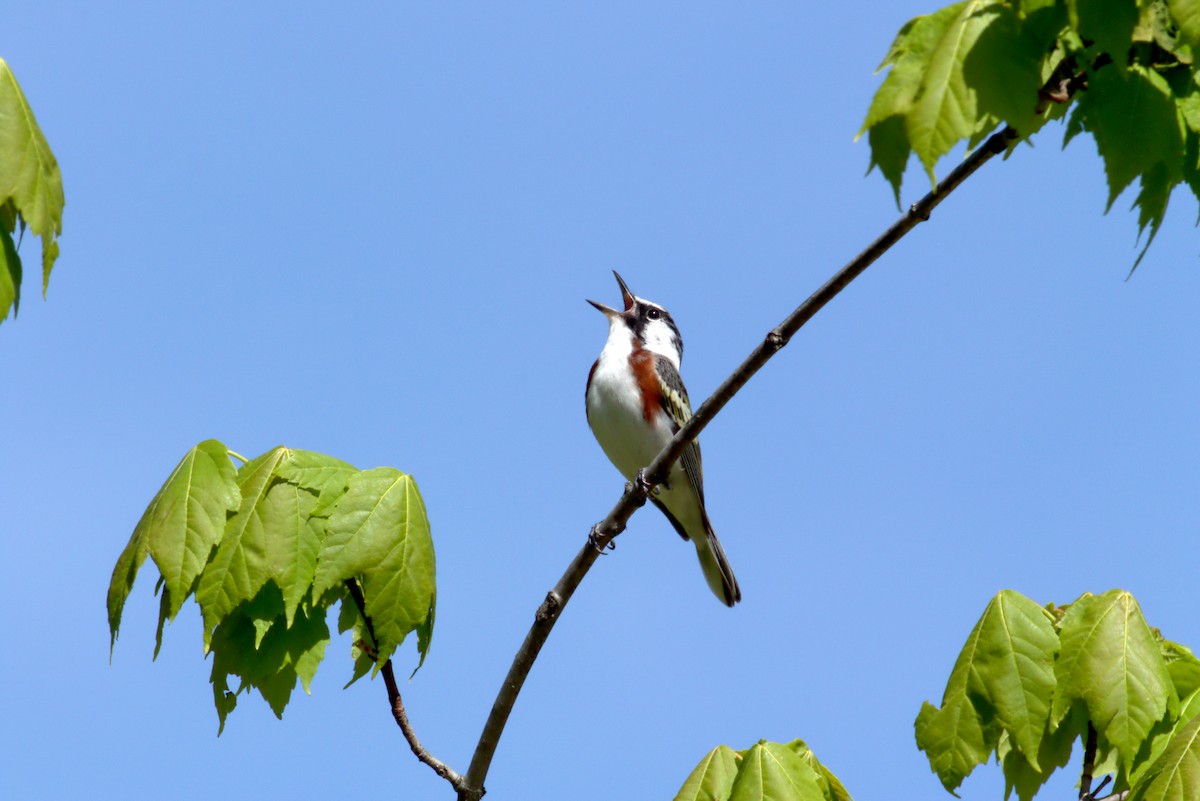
(1059, 88)
(397, 703)
(636, 492)
(1089, 764)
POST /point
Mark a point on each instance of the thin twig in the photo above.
(439, 767)
(1100, 787)
(635, 496)
(397, 703)
(1089, 764)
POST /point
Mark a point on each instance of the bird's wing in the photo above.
(674, 521)
(675, 402)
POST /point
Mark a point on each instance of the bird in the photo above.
(635, 403)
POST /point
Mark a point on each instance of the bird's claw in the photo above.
(643, 483)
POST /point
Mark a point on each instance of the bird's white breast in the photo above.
(615, 410)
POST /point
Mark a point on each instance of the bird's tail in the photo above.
(717, 571)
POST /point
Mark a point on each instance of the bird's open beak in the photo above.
(626, 296)
(605, 310)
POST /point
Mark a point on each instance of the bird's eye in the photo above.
(654, 314)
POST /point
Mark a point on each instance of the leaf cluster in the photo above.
(31, 192)
(959, 73)
(780, 772)
(267, 549)
(1031, 680)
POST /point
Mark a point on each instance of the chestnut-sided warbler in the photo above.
(636, 402)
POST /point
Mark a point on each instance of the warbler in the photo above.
(636, 402)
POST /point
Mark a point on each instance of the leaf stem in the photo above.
(635, 496)
(237, 455)
(397, 703)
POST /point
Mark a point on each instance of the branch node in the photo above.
(595, 538)
(776, 340)
(550, 607)
(642, 487)
(920, 211)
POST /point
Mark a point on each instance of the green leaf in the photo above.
(1002, 680)
(1151, 204)
(378, 533)
(831, 787)
(953, 738)
(29, 174)
(1074, 125)
(1186, 14)
(1108, 761)
(1124, 110)
(179, 528)
(271, 666)
(1107, 23)
(1175, 775)
(318, 472)
(954, 75)
(1004, 67)
(712, 779)
(1183, 667)
(1188, 709)
(1191, 163)
(425, 632)
(946, 109)
(10, 276)
(907, 59)
(350, 620)
(1054, 752)
(890, 150)
(293, 541)
(1161, 736)
(1013, 668)
(272, 537)
(1155, 27)
(775, 772)
(1111, 665)
(9, 217)
(1045, 18)
(164, 610)
(1188, 104)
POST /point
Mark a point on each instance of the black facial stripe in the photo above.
(639, 318)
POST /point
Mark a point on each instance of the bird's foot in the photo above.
(643, 483)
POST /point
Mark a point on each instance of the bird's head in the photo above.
(647, 322)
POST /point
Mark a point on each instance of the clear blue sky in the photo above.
(370, 231)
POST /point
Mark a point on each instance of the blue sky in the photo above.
(370, 231)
